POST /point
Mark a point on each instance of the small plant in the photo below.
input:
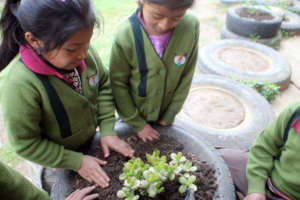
(147, 179)
(252, 10)
(267, 90)
(254, 37)
(285, 34)
(248, 2)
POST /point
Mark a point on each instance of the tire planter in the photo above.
(273, 42)
(232, 125)
(229, 2)
(294, 8)
(292, 24)
(203, 152)
(247, 26)
(244, 60)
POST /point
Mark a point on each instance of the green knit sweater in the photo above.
(167, 83)
(30, 122)
(285, 172)
(15, 187)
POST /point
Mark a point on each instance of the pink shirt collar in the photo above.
(37, 65)
(296, 126)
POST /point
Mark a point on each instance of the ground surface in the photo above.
(211, 14)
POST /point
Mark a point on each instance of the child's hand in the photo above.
(92, 172)
(148, 133)
(255, 196)
(115, 143)
(82, 194)
(163, 123)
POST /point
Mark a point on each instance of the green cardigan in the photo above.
(284, 172)
(15, 187)
(167, 84)
(30, 122)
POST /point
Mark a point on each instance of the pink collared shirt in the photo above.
(39, 66)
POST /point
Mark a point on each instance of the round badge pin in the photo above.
(179, 60)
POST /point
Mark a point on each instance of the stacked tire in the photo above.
(263, 31)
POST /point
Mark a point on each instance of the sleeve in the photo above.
(14, 186)
(105, 105)
(266, 147)
(22, 117)
(183, 88)
(120, 72)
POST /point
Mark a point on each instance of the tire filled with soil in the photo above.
(253, 21)
(224, 113)
(213, 178)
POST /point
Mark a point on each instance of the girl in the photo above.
(55, 91)
(152, 63)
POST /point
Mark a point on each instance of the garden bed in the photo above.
(206, 180)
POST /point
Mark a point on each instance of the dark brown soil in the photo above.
(253, 13)
(206, 180)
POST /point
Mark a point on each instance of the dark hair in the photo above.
(170, 4)
(51, 21)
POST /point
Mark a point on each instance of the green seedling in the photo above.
(267, 90)
(147, 179)
(254, 37)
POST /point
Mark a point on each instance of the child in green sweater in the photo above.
(273, 167)
(15, 187)
(55, 91)
(152, 64)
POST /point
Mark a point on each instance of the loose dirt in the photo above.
(213, 108)
(205, 181)
(254, 14)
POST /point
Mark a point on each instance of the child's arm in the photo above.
(265, 148)
(183, 88)
(14, 186)
(105, 101)
(106, 113)
(120, 72)
(22, 117)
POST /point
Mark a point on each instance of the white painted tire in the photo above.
(258, 113)
(276, 69)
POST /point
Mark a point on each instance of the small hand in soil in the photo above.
(83, 194)
(255, 196)
(148, 134)
(92, 172)
(115, 143)
(163, 123)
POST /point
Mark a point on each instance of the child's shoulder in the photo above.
(293, 106)
(16, 70)
(190, 19)
(123, 26)
(123, 34)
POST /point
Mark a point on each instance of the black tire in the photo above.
(273, 42)
(247, 27)
(229, 2)
(278, 70)
(295, 8)
(203, 152)
(258, 113)
(292, 25)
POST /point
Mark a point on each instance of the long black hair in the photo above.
(51, 21)
(170, 4)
